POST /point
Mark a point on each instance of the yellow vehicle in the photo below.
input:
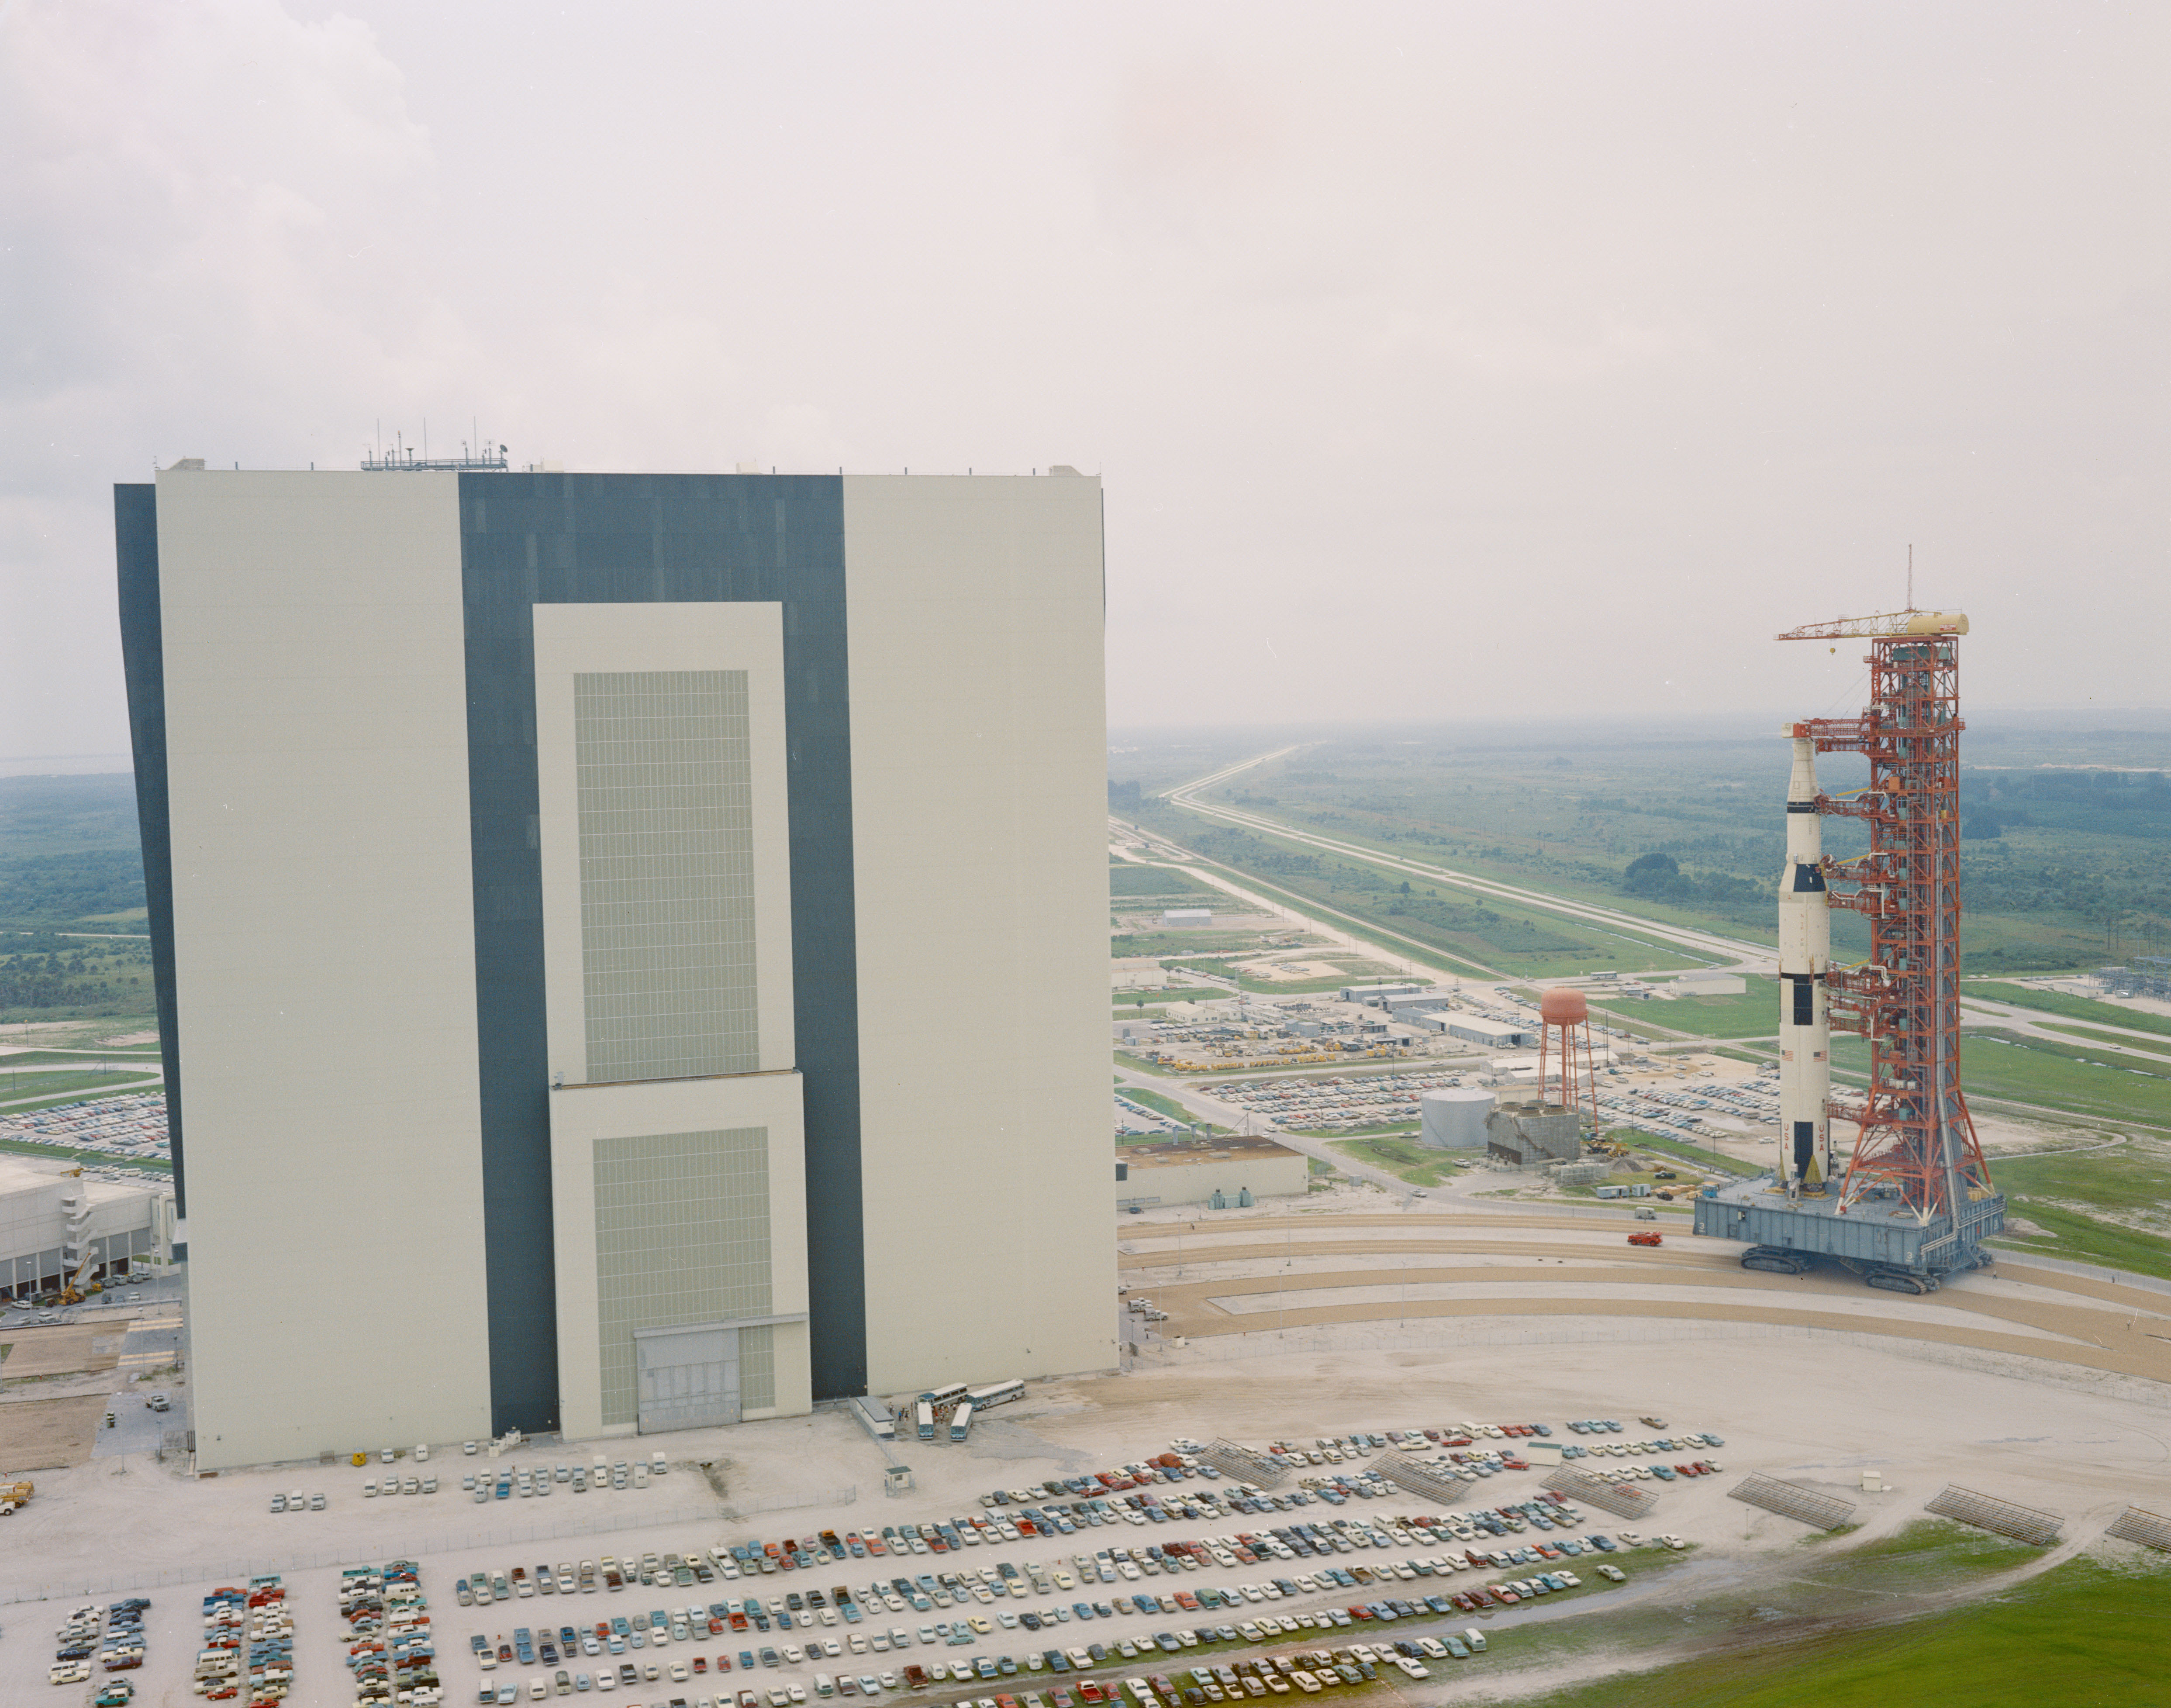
(13, 1495)
(80, 1286)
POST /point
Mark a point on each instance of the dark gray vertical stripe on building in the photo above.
(530, 539)
(143, 668)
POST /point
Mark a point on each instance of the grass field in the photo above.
(1364, 929)
(1204, 941)
(1161, 1104)
(1754, 1014)
(1640, 1140)
(30, 1104)
(2082, 1049)
(2092, 1033)
(1133, 999)
(59, 1152)
(1378, 1129)
(2079, 1239)
(1275, 986)
(2034, 1070)
(1127, 883)
(2083, 1635)
(1565, 812)
(1501, 936)
(2057, 1190)
(15, 1083)
(2074, 1008)
(1402, 1157)
(90, 1056)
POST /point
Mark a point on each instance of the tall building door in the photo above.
(688, 1378)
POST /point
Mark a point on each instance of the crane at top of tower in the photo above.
(1882, 626)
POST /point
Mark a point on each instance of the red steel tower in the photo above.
(1915, 1136)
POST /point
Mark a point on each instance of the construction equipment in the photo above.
(14, 1495)
(80, 1286)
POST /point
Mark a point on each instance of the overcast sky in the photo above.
(1441, 360)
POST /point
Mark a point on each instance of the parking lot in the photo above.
(1083, 1435)
(1734, 1397)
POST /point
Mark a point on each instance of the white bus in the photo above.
(940, 1397)
(923, 1414)
(996, 1394)
(961, 1422)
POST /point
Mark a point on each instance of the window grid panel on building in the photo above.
(681, 1237)
(665, 804)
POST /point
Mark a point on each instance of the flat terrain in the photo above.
(63, 1349)
(1285, 1324)
(38, 1435)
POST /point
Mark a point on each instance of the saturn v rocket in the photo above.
(1805, 1163)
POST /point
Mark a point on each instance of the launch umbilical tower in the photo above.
(1916, 1134)
(1915, 1199)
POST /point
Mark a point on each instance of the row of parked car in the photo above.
(1305, 1671)
(391, 1650)
(809, 1611)
(401, 1486)
(113, 1638)
(248, 1645)
(1262, 1628)
(527, 1481)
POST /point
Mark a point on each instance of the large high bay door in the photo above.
(688, 1378)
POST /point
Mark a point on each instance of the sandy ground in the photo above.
(1292, 970)
(63, 1349)
(38, 1435)
(2063, 1430)
(1515, 1263)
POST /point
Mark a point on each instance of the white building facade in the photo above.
(560, 884)
(56, 1224)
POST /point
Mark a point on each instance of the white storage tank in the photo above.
(1454, 1118)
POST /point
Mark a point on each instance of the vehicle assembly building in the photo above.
(1914, 1202)
(562, 887)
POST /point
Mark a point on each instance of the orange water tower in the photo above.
(1565, 1016)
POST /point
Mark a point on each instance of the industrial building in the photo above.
(57, 1224)
(1529, 1131)
(1377, 995)
(563, 887)
(1234, 1169)
(1498, 1035)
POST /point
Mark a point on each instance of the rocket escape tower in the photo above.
(1915, 1199)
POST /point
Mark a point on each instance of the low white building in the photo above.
(1498, 1035)
(1191, 1170)
(1711, 982)
(54, 1219)
(1186, 916)
(1376, 995)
